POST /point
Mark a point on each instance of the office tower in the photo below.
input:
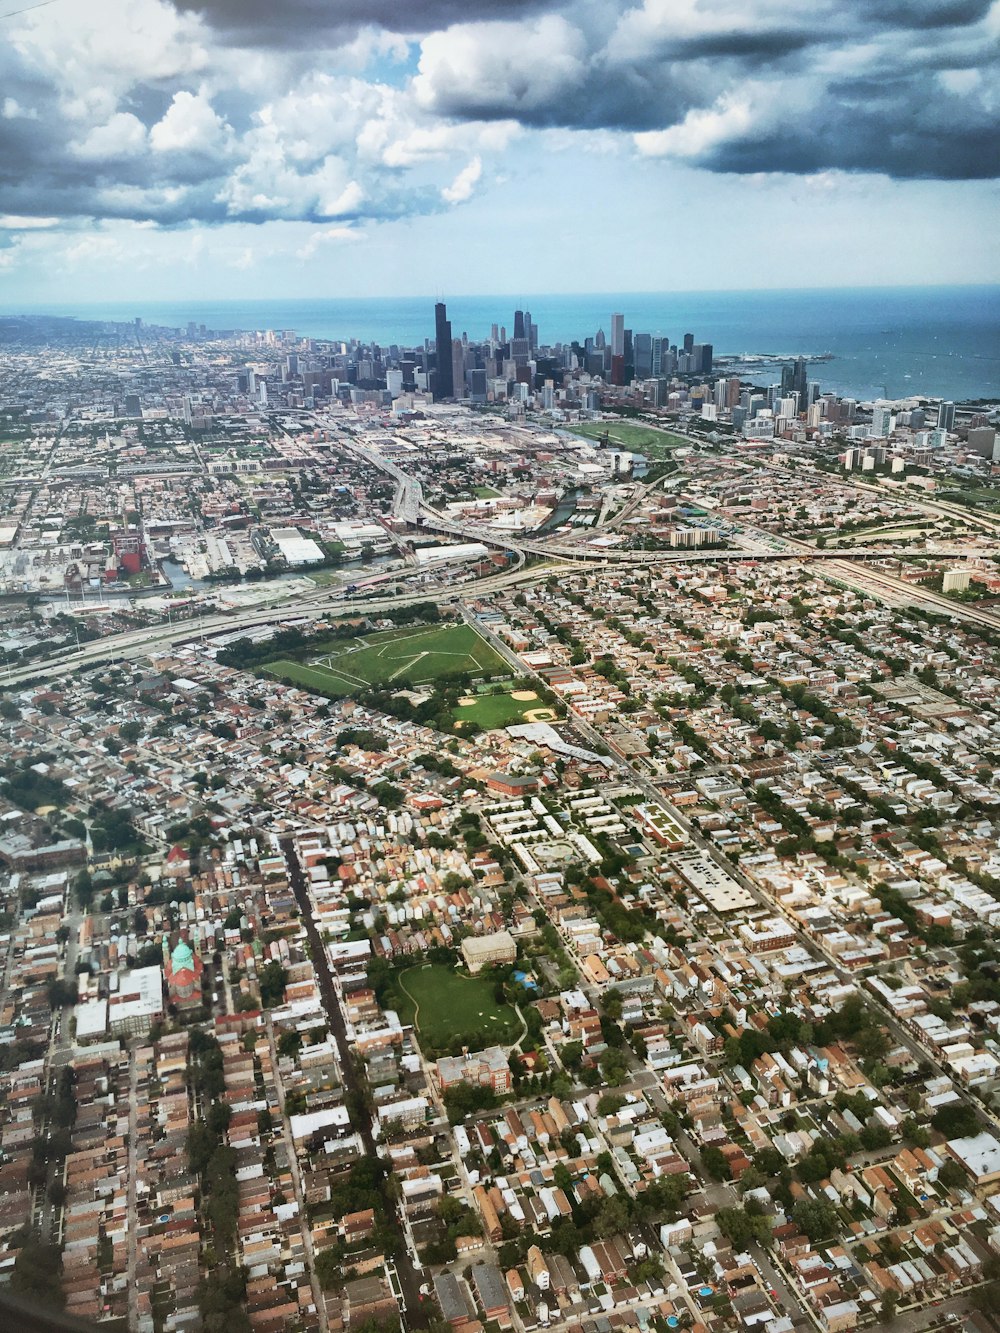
(394, 382)
(946, 416)
(700, 359)
(657, 347)
(494, 333)
(457, 368)
(642, 350)
(688, 342)
(617, 369)
(720, 395)
(476, 380)
(600, 342)
(520, 346)
(133, 405)
(981, 441)
(444, 385)
(739, 417)
(618, 335)
(882, 423)
(793, 380)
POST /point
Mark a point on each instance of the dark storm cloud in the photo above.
(284, 130)
(903, 113)
(927, 13)
(302, 24)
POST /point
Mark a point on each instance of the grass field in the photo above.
(418, 654)
(445, 1005)
(501, 710)
(635, 438)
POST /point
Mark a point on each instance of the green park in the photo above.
(410, 656)
(632, 436)
(446, 1007)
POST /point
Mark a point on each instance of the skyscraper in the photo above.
(520, 345)
(946, 416)
(618, 335)
(444, 384)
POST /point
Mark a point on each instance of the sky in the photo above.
(213, 149)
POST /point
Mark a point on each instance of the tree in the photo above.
(273, 979)
(742, 1226)
(955, 1120)
(951, 1175)
(714, 1162)
(817, 1218)
(290, 1043)
(887, 1306)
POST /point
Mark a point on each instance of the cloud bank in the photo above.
(179, 112)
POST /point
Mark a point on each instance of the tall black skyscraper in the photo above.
(444, 384)
(520, 346)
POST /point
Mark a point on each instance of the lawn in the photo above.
(445, 1005)
(627, 435)
(416, 655)
(502, 710)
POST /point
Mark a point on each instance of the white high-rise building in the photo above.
(617, 335)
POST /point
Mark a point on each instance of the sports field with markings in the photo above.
(416, 655)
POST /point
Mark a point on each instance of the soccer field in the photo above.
(416, 655)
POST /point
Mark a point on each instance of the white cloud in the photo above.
(328, 236)
(464, 183)
(124, 135)
(11, 222)
(190, 123)
(699, 131)
(11, 109)
(349, 200)
(482, 65)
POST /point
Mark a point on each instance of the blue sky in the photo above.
(235, 148)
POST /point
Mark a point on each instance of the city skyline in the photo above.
(190, 149)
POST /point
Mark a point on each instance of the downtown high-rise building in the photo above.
(618, 335)
(444, 383)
